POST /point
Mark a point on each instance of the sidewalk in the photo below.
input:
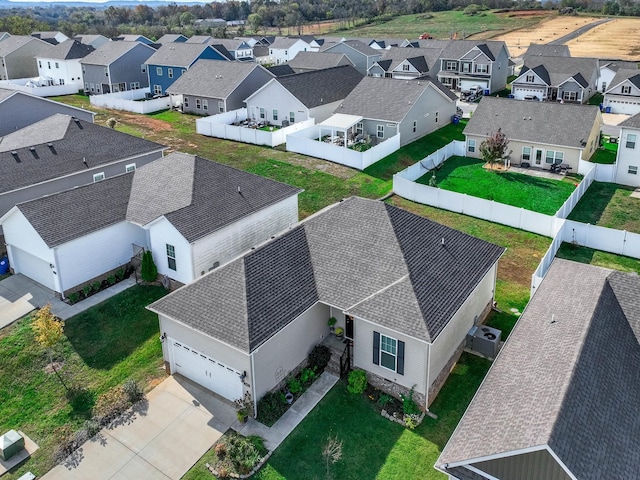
(65, 311)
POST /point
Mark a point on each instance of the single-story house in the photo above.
(211, 87)
(561, 399)
(294, 98)
(192, 213)
(542, 50)
(608, 71)
(308, 61)
(412, 108)
(405, 63)
(405, 289)
(628, 159)
(623, 93)
(540, 134)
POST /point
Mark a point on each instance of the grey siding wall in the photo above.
(370, 127)
(94, 75)
(500, 72)
(22, 63)
(256, 79)
(128, 69)
(212, 105)
(529, 466)
(360, 62)
(431, 112)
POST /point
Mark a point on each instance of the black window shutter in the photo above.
(400, 368)
(376, 348)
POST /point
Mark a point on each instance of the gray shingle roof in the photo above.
(560, 69)
(177, 54)
(69, 49)
(421, 58)
(9, 45)
(568, 377)
(385, 98)
(320, 87)
(456, 49)
(282, 43)
(172, 38)
(71, 142)
(111, 51)
(633, 75)
(631, 122)
(536, 122)
(281, 70)
(616, 65)
(199, 39)
(213, 78)
(317, 60)
(536, 50)
(360, 47)
(370, 268)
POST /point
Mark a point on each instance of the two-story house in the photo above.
(171, 60)
(405, 63)
(566, 79)
(96, 41)
(468, 63)
(61, 66)
(623, 94)
(309, 61)
(18, 56)
(284, 49)
(628, 160)
(239, 49)
(608, 71)
(116, 67)
(361, 55)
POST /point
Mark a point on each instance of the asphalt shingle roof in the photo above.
(111, 51)
(560, 69)
(358, 46)
(633, 75)
(177, 54)
(568, 378)
(369, 268)
(456, 49)
(536, 50)
(281, 70)
(69, 49)
(421, 58)
(537, 122)
(631, 122)
(317, 60)
(320, 87)
(71, 142)
(9, 45)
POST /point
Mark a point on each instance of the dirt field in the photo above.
(519, 40)
(618, 39)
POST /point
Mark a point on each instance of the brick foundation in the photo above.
(99, 278)
(391, 388)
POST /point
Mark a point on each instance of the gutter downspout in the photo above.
(57, 279)
(253, 387)
(426, 406)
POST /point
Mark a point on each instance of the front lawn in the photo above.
(609, 205)
(416, 151)
(374, 447)
(103, 347)
(467, 175)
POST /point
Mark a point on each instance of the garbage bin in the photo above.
(455, 119)
(607, 110)
(4, 265)
(487, 91)
(511, 95)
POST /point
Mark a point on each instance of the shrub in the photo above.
(307, 376)
(294, 385)
(119, 274)
(223, 472)
(86, 290)
(242, 453)
(92, 427)
(148, 269)
(411, 421)
(257, 441)
(95, 286)
(384, 399)
(271, 407)
(110, 405)
(319, 357)
(409, 406)
(357, 382)
(74, 297)
(111, 279)
(133, 391)
(220, 449)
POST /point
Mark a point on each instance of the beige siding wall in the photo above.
(288, 348)
(415, 356)
(528, 466)
(593, 142)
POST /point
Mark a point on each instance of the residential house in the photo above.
(627, 159)
(623, 93)
(134, 38)
(281, 70)
(412, 108)
(468, 63)
(239, 49)
(309, 61)
(62, 64)
(405, 63)
(54, 38)
(18, 56)
(211, 87)
(540, 134)
(550, 50)
(608, 71)
(561, 399)
(361, 55)
(284, 49)
(294, 98)
(172, 38)
(405, 289)
(172, 60)
(4, 35)
(96, 41)
(387, 43)
(566, 79)
(116, 67)
(191, 213)
(200, 39)
(20, 109)
(210, 23)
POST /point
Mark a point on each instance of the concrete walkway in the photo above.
(64, 311)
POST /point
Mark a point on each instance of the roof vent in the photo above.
(52, 148)
(15, 156)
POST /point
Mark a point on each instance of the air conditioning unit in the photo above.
(484, 340)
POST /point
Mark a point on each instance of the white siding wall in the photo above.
(68, 70)
(289, 347)
(275, 97)
(322, 112)
(456, 330)
(19, 232)
(87, 257)
(231, 241)
(628, 157)
(161, 233)
(415, 356)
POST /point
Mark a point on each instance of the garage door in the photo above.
(207, 371)
(519, 93)
(32, 267)
(467, 84)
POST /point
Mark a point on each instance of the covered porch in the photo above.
(341, 129)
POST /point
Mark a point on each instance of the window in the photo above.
(170, 72)
(143, 68)
(526, 154)
(49, 67)
(482, 68)
(380, 132)
(130, 168)
(134, 85)
(554, 157)
(157, 89)
(570, 96)
(220, 107)
(466, 67)
(471, 146)
(159, 71)
(263, 113)
(93, 87)
(415, 126)
(275, 115)
(405, 67)
(436, 119)
(292, 117)
(198, 104)
(57, 65)
(388, 347)
(359, 128)
(631, 140)
(626, 89)
(530, 78)
(171, 257)
(115, 88)
(40, 63)
(604, 86)
(185, 101)
(205, 105)
(98, 176)
(106, 72)
(61, 81)
(633, 170)
(86, 87)
(450, 65)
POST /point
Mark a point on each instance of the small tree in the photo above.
(332, 452)
(148, 269)
(48, 331)
(494, 148)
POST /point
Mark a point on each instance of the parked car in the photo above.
(477, 90)
(531, 97)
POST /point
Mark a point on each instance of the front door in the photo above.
(538, 157)
(348, 326)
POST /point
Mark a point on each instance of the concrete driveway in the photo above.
(19, 295)
(160, 439)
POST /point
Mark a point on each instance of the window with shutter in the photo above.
(376, 348)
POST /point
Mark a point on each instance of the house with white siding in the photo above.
(623, 93)
(406, 291)
(61, 66)
(193, 214)
(628, 158)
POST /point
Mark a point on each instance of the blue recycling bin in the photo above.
(455, 119)
(511, 95)
(607, 110)
(487, 91)
(4, 265)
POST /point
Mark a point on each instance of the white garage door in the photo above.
(624, 106)
(206, 371)
(519, 93)
(32, 267)
(467, 84)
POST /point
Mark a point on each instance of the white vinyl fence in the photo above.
(131, 101)
(44, 91)
(306, 142)
(221, 126)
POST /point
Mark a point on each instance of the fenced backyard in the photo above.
(131, 101)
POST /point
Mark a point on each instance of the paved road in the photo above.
(578, 32)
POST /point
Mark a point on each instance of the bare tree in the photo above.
(494, 148)
(332, 452)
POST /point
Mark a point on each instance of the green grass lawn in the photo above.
(374, 447)
(609, 205)
(467, 175)
(596, 99)
(103, 347)
(598, 258)
(415, 151)
(603, 155)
